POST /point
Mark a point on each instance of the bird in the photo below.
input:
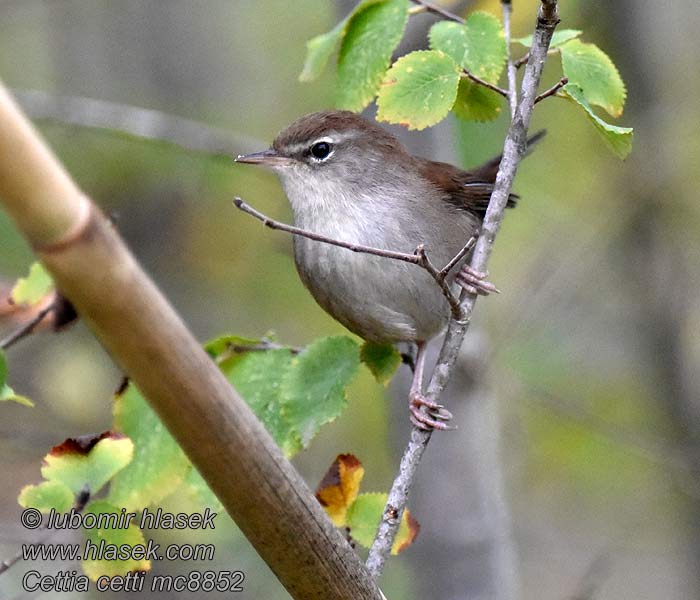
(349, 179)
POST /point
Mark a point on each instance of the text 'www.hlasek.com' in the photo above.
(98, 548)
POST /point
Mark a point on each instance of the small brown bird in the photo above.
(348, 179)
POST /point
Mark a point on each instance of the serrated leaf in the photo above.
(560, 37)
(339, 487)
(113, 540)
(381, 359)
(158, 465)
(46, 496)
(313, 388)
(476, 103)
(589, 68)
(32, 288)
(619, 139)
(258, 377)
(478, 45)
(485, 54)
(89, 461)
(419, 89)
(450, 38)
(319, 50)
(7, 394)
(372, 34)
(363, 518)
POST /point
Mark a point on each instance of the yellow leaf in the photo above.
(340, 486)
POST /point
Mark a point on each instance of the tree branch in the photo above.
(92, 267)
(507, 9)
(513, 151)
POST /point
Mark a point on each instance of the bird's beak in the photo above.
(267, 158)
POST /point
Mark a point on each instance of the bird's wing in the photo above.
(470, 190)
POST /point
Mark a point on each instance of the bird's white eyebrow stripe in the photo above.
(331, 139)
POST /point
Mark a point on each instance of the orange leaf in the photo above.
(407, 533)
(340, 486)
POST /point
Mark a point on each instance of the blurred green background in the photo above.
(574, 473)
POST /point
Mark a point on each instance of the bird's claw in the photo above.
(473, 282)
(434, 417)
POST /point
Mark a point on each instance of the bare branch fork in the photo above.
(513, 151)
(419, 256)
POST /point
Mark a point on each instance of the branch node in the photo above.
(553, 90)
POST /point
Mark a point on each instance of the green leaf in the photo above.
(34, 287)
(485, 54)
(313, 389)
(589, 68)
(111, 541)
(7, 394)
(46, 496)
(319, 50)
(258, 376)
(87, 462)
(476, 103)
(560, 37)
(450, 38)
(3, 368)
(294, 396)
(372, 34)
(223, 343)
(382, 360)
(419, 89)
(619, 139)
(158, 466)
(478, 45)
(363, 518)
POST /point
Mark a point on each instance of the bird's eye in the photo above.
(321, 150)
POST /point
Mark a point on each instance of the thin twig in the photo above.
(264, 346)
(27, 328)
(430, 7)
(445, 271)
(478, 80)
(425, 262)
(553, 90)
(522, 60)
(513, 151)
(419, 257)
(507, 8)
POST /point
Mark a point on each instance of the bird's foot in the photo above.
(435, 417)
(473, 282)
